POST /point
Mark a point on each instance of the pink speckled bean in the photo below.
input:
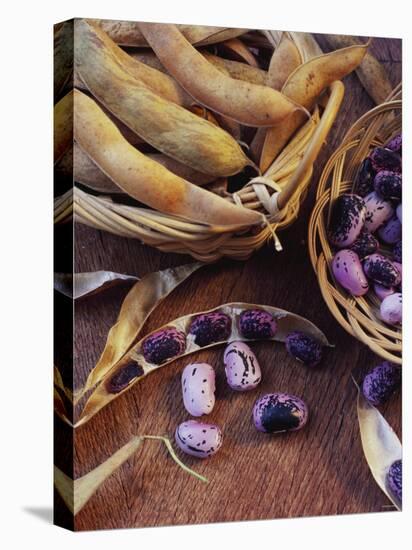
(198, 387)
(198, 439)
(348, 271)
(241, 366)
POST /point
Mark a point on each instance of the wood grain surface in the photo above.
(317, 471)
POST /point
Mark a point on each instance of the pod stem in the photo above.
(172, 453)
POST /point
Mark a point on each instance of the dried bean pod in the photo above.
(167, 126)
(241, 366)
(178, 330)
(198, 439)
(247, 103)
(198, 388)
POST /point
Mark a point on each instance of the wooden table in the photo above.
(320, 470)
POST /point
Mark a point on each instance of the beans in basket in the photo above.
(366, 227)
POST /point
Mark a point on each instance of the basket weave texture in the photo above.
(358, 316)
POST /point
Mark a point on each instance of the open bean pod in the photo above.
(178, 338)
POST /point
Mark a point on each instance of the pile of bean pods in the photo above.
(366, 230)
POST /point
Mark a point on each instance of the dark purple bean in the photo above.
(304, 348)
(381, 382)
(385, 159)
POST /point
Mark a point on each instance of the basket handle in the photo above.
(327, 119)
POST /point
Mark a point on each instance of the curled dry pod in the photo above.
(381, 270)
(347, 270)
(395, 144)
(163, 345)
(249, 104)
(385, 159)
(381, 382)
(167, 126)
(382, 291)
(397, 252)
(283, 321)
(394, 480)
(391, 309)
(388, 185)
(378, 211)
(347, 220)
(257, 324)
(241, 367)
(391, 232)
(144, 179)
(198, 388)
(365, 244)
(127, 33)
(305, 85)
(279, 412)
(198, 439)
(364, 178)
(210, 327)
(304, 348)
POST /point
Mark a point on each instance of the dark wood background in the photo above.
(317, 471)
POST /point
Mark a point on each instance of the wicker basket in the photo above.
(278, 194)
(358, 316)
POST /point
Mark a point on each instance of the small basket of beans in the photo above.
(355, 231)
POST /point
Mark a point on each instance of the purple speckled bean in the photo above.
(198, 388)
(394, 480)
(279, 412)
(381, 270)
(365, 244)
(381, 382)
(382, 291)
(208, 328)
(395, 144)
(397, 252)
(398, 266)
(385, 159)
(304, 348)
(391, 309)
(388, 185)
(163, 345)
(399, 212)
(364, 179)
(347, 220)
(378, 211)
(257, 324)
(391, 232)
(348, 271)
(241, 367)
(198, 439)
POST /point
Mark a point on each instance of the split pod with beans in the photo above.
(234, 322)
